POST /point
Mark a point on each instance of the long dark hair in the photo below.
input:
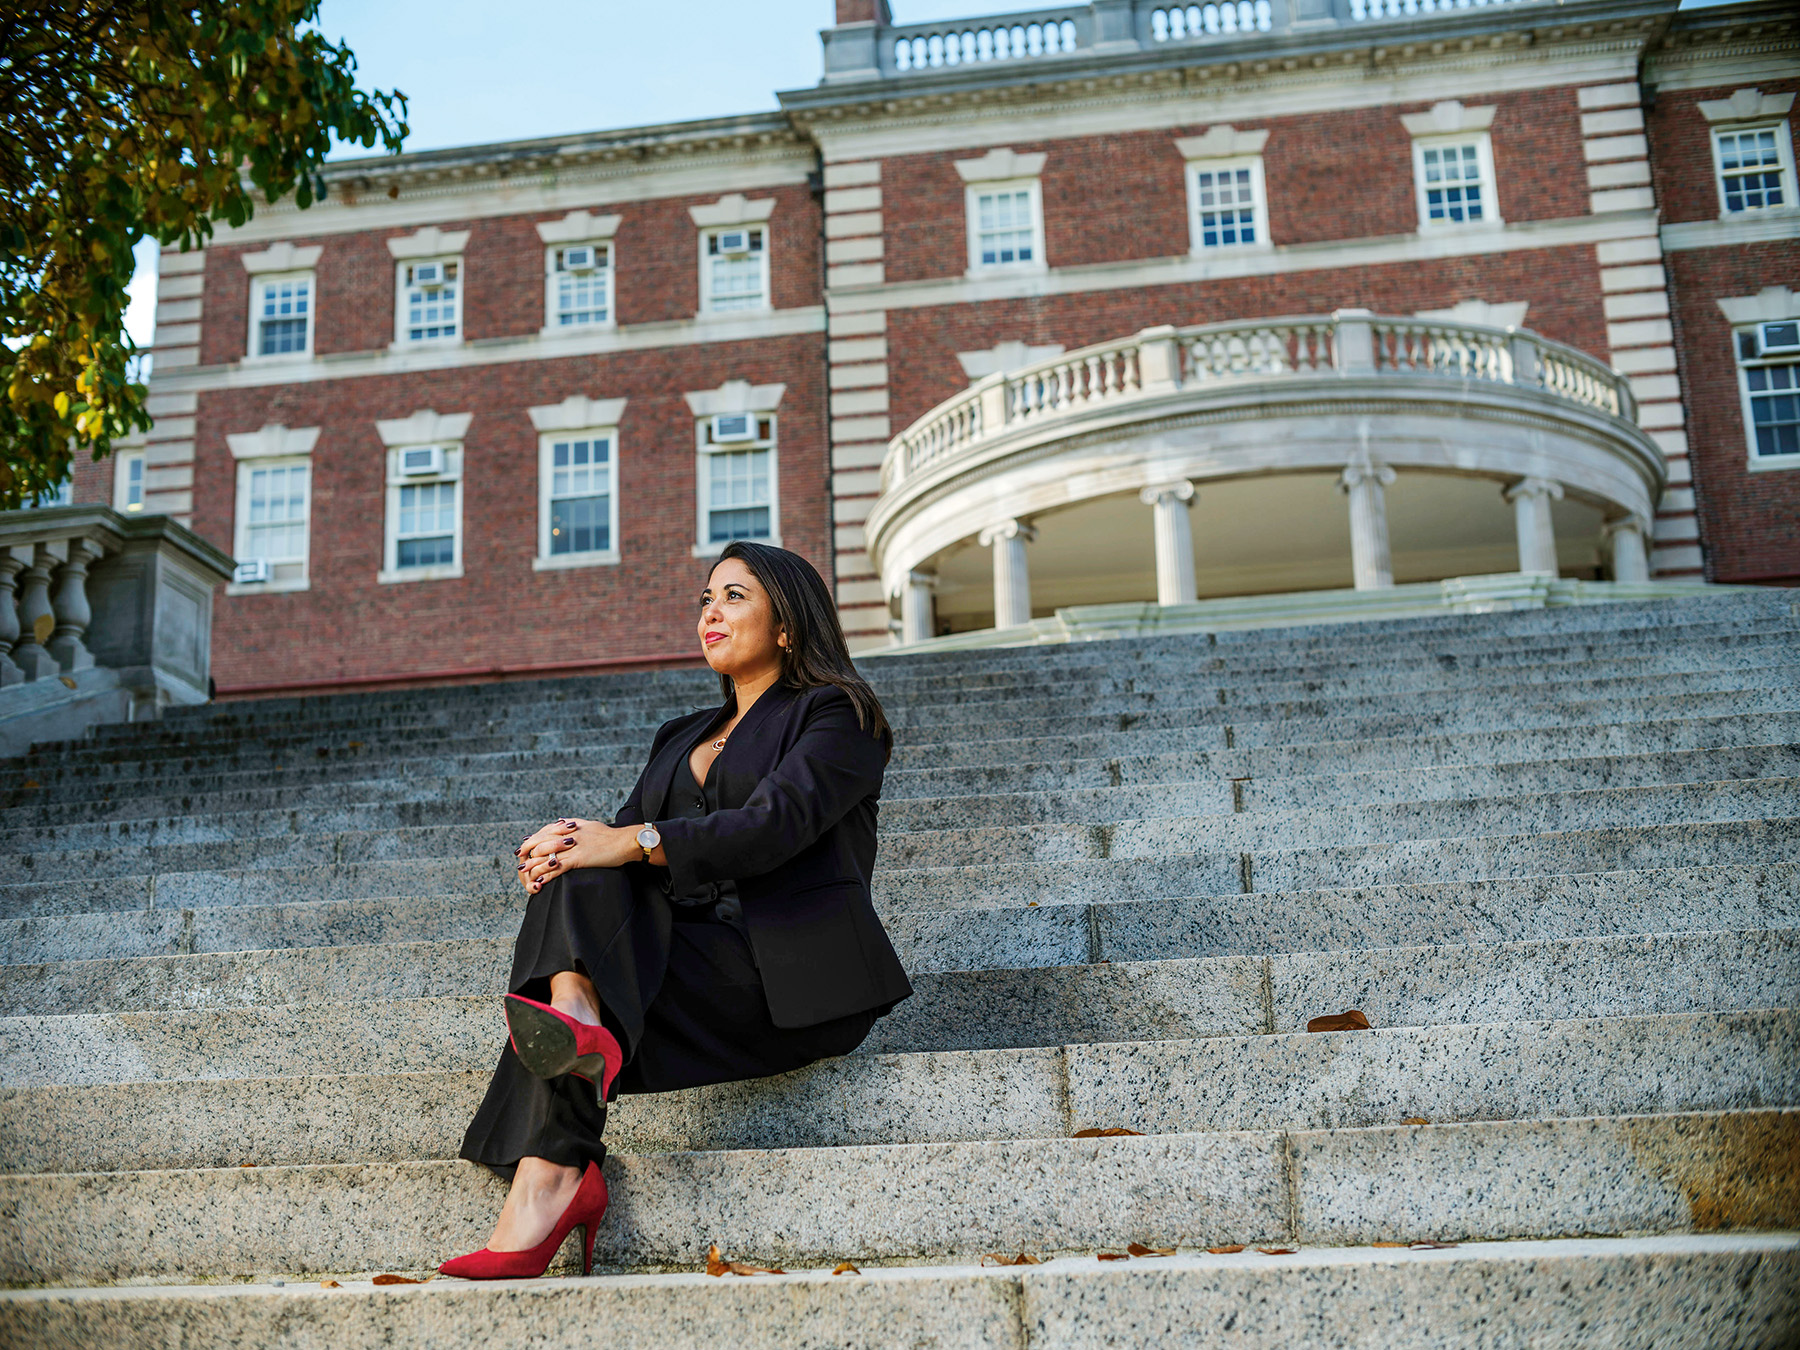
(816, 652)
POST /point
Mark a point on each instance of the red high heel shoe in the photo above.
(584, 1212)
(550, 1044)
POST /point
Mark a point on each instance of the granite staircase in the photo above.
(251, 957)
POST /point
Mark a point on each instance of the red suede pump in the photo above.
(584, 1212)
(550, 1044)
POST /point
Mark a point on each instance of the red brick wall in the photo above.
(1681, 158)
(1749, 521)
(1562, 286)
(500, 611)
(1344, 175)
(658, 277)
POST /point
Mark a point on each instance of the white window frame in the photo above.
(1759, 463)
(391, 571)
(258, 283)
(123, 462)
(972, 194)
(546, 560)
(711, 232)
(553, 325)
(401, 339)
(240, 541)
(1784, 150)
(1259, 204)
(704, 450)
(1484, 160)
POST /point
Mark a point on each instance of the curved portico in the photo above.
(1275, 409)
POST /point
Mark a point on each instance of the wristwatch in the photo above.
(648, 840)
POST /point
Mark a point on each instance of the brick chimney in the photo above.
(864, 11)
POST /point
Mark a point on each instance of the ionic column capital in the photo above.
(1632, 523)
(1181, 491)
(1007, 529)
(1364, 469)
(1534, 487)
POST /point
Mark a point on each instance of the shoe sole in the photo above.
(545, 1046)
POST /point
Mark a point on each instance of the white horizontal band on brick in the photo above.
(161, 480)
(853, 250)
(852, 199)
(853, 563)
(175, 357)
(857, 349)
(1680, 470)
(851, 510)
(860, 429)
(1616, 251)
(852, 175)
(173, 452)
(859, 592)
(1676, 529)
(1622, 173)
(1677, 499)
(1622, 199)
(176, 335)
(174, 263)
(179, 288)
(1660, 415)
(169, 503)
(1647, 333)
(853, 223)
(1608, 95)
(1644, 360)
(856, 274)
(858, 377)
(850, 402)
(847, 538)
(847, 482)
(1678, 559)
(1612, 123)
(177, 311)
(1649, 387)
(161, 405)
(858, 454)
(176, 428)
(856, 323)
(1615, 147)
(1636, 305)
(1644, 277)
(1674, 444)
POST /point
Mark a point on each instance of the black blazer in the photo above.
(797, 786)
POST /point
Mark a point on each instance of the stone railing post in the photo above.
(1159, 360)
(1012, 579)
(70, 604)
(1115, 25)
(1531, 498)
(992, 400)
(9, 617)
(37, 621)
(1366, 481)
(1354, 348)
(1174, 537)
(1625, 538)
(1527, 369)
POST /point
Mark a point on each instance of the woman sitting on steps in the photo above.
(720, 929)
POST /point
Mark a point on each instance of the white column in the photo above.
(1366, 481)
(918, 615)
(1012, 580)
(1626, 535)
(1174, 542)
(1531, 498)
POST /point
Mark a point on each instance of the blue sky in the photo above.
(476, 70)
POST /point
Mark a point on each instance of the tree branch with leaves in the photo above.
(121, 120)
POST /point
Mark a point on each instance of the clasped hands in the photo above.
(563, 845)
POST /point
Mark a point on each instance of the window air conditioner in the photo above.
(425, 273)
(422, 459)
(257, 569)
(1778, 339)
(579, 259)
(734, 241)
(733, 427)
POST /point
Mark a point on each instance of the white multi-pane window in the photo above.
(578, 500)
(281, 313)
(425, 535)
(580, 285)
(737, 479)
(1755, 166)
(274, 501)
(1226, 204)
(734, 268)
(1455, 187)
(431, 300)
(1005, 225)
(128, 481)
(424, 513)
(1769, 379)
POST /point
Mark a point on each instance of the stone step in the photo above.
(364, 1010)
(1678, 1292)
(1616, 1175)
(1343, 1080)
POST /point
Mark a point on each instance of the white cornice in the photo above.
(733, 209)
(424, 427)
(273, 441)
(430, 242)
(1769, 305)
(1448, 118)
(1001, 164)
(713, 330)
(578, 227)
(1768, 228)
(1184, 269)
(1744, 105)
(577, 412)
(736, 396)
(282, 257)
(1222, 142)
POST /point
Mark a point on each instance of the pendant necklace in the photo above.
(720, 743)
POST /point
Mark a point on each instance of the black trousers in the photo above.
(677, 986)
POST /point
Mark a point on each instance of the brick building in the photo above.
(1111, 302)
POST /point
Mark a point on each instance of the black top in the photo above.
(689, 800)
(796, 789)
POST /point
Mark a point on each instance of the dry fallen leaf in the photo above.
(1276, 1251)
(846, 1268)
(1387, 1244)
(717, 1265)
(66, 681)
(32, 782)
(1111, 1256)
(1139, 1249)
(1415, 1120)
(1031, 904)
(330, 1284)
(43, 626)
(1229, 1249)
(1351, 1019)
(1020, 1260)
(1430, 1246)
(246, 1164)
(395, 1279)
(1111, 1132)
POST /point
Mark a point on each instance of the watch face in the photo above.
(648, 836)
